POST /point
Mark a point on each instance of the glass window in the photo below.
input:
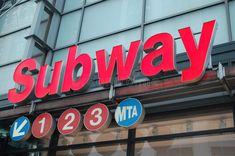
(18, 17)
(186, 123)
(7, 78)
(156, 9)
(60, 55)
(112, 150)
(12, 44)
(69, 27)
(92, 1)
(110, 16)
(107, 43)
(116, 133)
(212, 145)
(72, 4)
(232, 14)
(195, 20)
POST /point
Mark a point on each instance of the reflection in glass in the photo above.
(111, 150)
(185, 123)
(216, 145)
(87, 136)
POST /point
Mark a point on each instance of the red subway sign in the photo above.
(63, 79)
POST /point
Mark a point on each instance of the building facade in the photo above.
(181, 119)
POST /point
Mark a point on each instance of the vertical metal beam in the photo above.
(131, 142)
(53, 143)
(143, 19)
(228, 19)
(142, 25)
(81, 21)
(233, 115)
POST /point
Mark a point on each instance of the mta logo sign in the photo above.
(129, 113)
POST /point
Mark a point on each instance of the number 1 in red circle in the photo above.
(43, 126)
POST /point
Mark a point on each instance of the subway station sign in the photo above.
(63, 78)
(129, 113)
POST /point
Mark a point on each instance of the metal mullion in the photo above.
(94, 3)
(131, 142)
(143, 20)
(91, 144)
(234, 115)
(112, 33)
(15, 31)
(184, 12)
(228, 19)
(53, 143)
(80, 8)
(10, 63)
(71, 11)
(81, 21)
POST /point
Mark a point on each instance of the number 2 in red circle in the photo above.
(97, 117)
(69, 122)
(43, 126)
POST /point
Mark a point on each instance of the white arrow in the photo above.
(16, 130)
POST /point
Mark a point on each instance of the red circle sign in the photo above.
(97, 117)
(69, 121)
(43, 126)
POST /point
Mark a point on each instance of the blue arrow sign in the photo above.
(20, 129)
(129, 113)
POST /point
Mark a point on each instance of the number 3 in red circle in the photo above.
(97, 117)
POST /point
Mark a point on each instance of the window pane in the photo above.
(60, 55)
(69, 27)
(107, 43)
(195, 20)
(156, 9)
(92, 1)
(7, 78)
(12, 44)
(232, 14)
(186, 123)
(112, 150)
(72, 4)
(18, 17)
(214, 145)
(110, 16)
(116, 133)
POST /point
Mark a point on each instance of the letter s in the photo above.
(23, 77)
